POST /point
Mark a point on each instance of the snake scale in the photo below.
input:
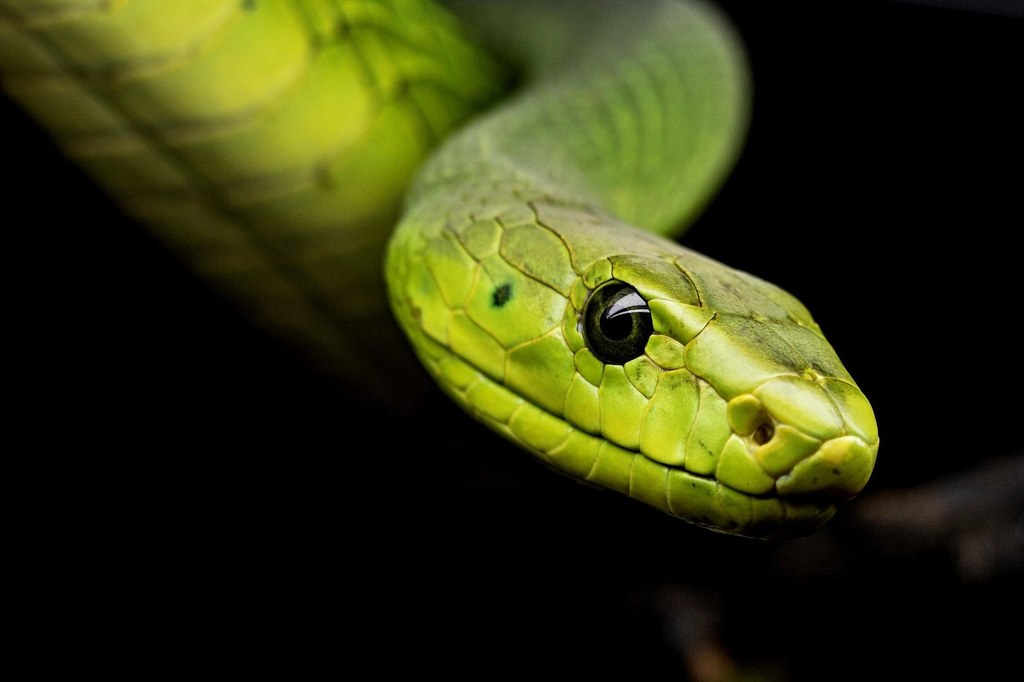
(537, 160)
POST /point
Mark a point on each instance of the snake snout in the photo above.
(809, 437)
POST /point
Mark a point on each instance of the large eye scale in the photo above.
(616, 323)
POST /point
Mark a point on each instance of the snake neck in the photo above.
(640, 118)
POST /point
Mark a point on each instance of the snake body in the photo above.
(531, 270)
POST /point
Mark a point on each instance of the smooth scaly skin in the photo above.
(262, 167)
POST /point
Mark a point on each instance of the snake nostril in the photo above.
(763, 433)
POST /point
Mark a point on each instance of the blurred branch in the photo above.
(1012, 8)
(978, 515)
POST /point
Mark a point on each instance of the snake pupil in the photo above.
(617, 323)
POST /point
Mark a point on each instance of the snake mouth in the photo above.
(741, 497)
(782, 467)
(733, 495)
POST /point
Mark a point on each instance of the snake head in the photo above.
(621, 359)
(728, 391)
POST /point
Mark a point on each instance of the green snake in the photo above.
(507, 178)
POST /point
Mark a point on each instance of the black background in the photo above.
(193, 490)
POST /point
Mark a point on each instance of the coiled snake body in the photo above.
(275, 145)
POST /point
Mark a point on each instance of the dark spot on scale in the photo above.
(835, 471)
(501, 295)
(248, 5)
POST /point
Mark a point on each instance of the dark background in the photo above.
(193, 490)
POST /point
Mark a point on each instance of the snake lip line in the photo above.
(515, 406)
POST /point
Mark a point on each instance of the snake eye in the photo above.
(616, 323)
